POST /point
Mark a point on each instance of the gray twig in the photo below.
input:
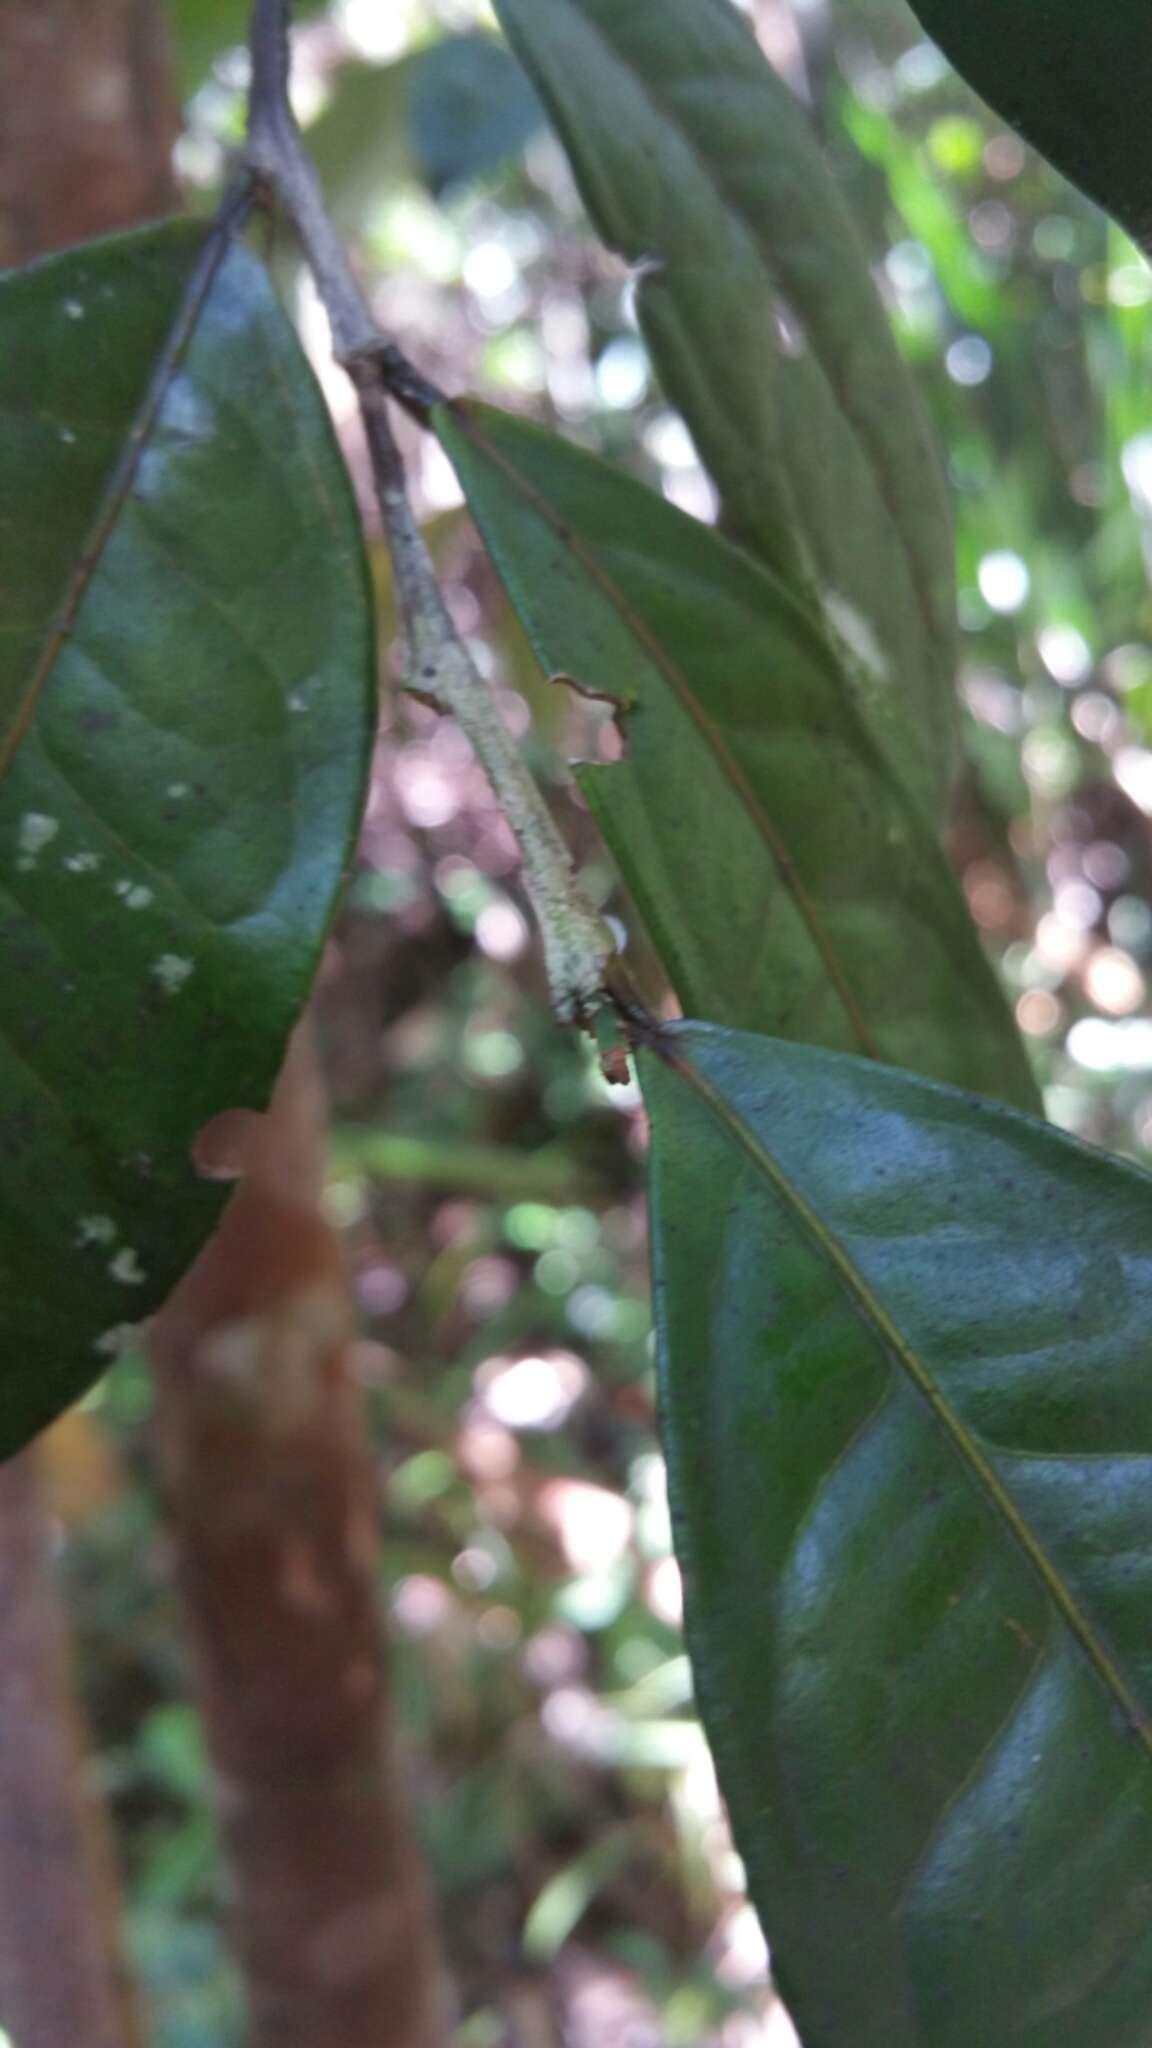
(577, 944)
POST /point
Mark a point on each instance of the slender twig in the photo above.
(577, 944)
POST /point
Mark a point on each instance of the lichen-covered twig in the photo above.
(577, 944)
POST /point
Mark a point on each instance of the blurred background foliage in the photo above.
(486, 1179)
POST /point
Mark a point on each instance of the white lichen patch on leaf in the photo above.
(178, 790)
(96, 1230)
(83, 863)
(171, 970)
(112, 1342)
(133, 895)
(36, 831)
(126, 1268)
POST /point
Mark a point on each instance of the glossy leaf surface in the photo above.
(697, 163)
(907, 1402)
(1071, 75)
(787, 880)
(185, 711)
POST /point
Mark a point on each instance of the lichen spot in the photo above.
(126, 1268)
(74, 309)
(82, 863)
(133, 895)
(297, 701)
(95, 1230)
(171, 970)
(178, 791)
(112, 1342)
(36, 831)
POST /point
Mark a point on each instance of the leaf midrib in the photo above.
(200, 283)
(962, 1440)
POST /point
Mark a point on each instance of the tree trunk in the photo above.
(85, 147)
(274, 1505)
(89, 118)
(56, 1977)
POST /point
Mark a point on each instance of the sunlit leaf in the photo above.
(1069, 76)
(185, 710)
(700, 167)
(787, 880)
(907, 1408)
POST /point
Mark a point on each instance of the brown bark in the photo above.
(89, 118)
(85, 146)
(273, 1501)
(56, 1983)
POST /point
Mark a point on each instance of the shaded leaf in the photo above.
(470, 109)
(361, 144)
(204, 30)
(185, 712)
(456, 109)
(787, 880)
(908, 1416)
(697, 163)
(1069, 77)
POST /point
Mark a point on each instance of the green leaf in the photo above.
(203, 30)
(788, 882)
(1070, 76)
(361, 143)
(471, 108)
(453, 110)
(908, 1417)
(700, 167)
(185, 712)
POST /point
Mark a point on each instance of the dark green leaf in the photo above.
(908, 1414)
(1071, 76)
(787, 880)
(185, 711)
(470, 108)
(454, 110)
(699, 166)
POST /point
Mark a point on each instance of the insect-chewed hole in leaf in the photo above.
(601, 738)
